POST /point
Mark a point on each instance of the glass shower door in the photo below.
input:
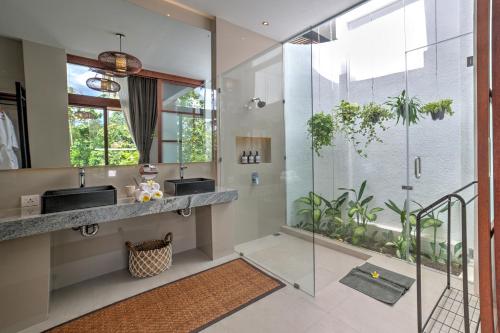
(441, 140)
(252, 120)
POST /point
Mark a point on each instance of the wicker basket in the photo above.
(151, 257)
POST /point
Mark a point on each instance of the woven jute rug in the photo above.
(186, 305)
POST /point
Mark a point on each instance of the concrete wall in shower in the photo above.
(260, 208)
(362, 66)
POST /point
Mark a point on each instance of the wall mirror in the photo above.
(66, 102)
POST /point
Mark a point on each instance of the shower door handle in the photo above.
(418, 167)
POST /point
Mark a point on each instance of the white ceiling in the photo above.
(286, 17)
(86, 27)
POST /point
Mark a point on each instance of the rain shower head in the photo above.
(260, 103)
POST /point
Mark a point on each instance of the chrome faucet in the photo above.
(181, 170)
(81, 174)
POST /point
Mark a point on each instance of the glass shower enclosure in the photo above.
(368, 118)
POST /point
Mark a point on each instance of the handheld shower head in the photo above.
(260, 103)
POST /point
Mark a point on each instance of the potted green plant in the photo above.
(438, 109)
(348, 112)
(321, 129)
(359, 124)
(373, 117)
(374, 113)
(398, 103)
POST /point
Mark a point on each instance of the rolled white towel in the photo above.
(142, 196)
(157, 194)
(145, 187)
(155, 187)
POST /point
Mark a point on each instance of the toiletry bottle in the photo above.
(244, 158)
(251, 158)
(257, 157)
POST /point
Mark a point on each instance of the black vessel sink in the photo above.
(78, 198)
(189, 186)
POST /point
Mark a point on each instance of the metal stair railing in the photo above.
(447, 199)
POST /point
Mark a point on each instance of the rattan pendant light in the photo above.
(103, 84)
(118, 62)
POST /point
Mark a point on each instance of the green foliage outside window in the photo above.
(196, 140)
(194, 132)
(87, 138)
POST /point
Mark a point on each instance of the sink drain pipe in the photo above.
(186, 212)
(88, 230)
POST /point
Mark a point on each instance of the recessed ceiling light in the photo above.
(265, 23)
(168, 14)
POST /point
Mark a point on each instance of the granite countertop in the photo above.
(15, 223)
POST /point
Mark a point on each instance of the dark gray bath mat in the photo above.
(387, 287)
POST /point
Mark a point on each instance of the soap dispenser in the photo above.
(257, 157)
(244, 158)
(251, 158)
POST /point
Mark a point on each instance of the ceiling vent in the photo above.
(322, 34)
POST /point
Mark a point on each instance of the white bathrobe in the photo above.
(8, 142)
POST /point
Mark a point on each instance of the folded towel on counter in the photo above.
(157, 194)
(148, 191)
(142, 196)
(149, 186)
(145, 187)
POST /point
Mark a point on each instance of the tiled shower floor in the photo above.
(291, 258)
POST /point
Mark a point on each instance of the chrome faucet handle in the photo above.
(81, 174)
(181, 170)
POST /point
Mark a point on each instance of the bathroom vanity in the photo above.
(17, 223)
(27, 244)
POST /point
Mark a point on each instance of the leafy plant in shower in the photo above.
(397, 105)
(432, 221)
(405, 242)
(333, 214)
(438, 109)
(309, 209)
(312, 209)
(320, 214)
(321, 128)
(359, 213)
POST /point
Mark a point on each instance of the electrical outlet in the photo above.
(30, 200)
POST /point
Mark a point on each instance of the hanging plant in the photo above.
(373, 117)
(348, 115)
(321, 129)
(438, 109)
(397, 105)
(360, 124)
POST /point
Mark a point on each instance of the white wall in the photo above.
(11, 63)
(235, 45)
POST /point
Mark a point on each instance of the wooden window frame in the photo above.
(176, 79)
(193, 114)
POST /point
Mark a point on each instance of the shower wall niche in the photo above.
(254, 144)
